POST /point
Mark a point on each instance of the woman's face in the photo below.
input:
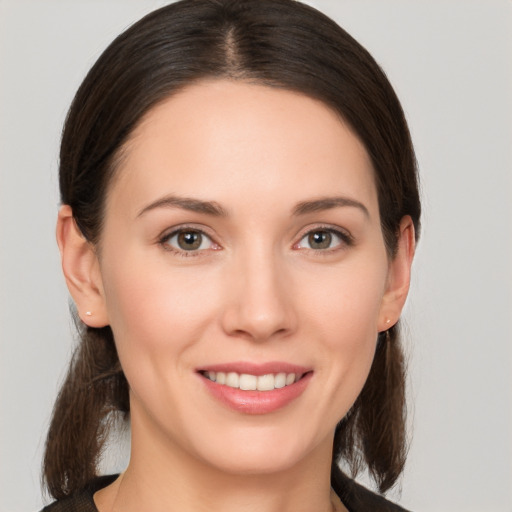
(242, 243)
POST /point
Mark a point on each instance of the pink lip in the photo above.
(256, 402)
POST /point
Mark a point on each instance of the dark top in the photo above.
(354, 496)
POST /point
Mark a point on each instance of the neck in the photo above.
(161, 476)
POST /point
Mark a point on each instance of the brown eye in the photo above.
(320, 240)
(189, 240)
(323, 239)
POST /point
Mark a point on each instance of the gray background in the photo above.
(450, 62)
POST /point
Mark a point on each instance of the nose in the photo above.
(259, 299)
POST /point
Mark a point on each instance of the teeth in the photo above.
(249, 382)
(266, 382)
(233, 380)
(280, 380)
(290, 379)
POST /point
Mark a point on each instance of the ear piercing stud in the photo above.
(88, 313)
(388, 321)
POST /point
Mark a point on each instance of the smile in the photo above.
(248, 382)
(251, 388)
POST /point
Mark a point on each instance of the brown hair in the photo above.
(279, 43)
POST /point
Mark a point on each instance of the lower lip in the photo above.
(257, 402)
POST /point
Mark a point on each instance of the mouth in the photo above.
(255, 389)
(249, 382)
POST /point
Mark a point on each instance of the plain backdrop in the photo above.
(450, 62)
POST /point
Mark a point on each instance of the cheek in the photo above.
(344, 314)
(153, 300)
(347, 301)
(156, 308)
(130, 300)
(157, 316)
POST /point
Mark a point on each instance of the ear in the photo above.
(81, 269)
(399, 276)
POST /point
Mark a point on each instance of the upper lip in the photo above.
(253, 368)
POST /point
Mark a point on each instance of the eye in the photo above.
(322, 239)
(188, 240)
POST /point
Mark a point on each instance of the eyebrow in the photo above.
(186, 203)
(327, 203)
(215, 209)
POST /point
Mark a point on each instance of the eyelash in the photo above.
(346, 240)
(164, 242)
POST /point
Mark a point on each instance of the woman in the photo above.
(240, 211)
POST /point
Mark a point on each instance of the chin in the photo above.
(259, 464)
(262, 454)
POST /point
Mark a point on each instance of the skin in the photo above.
(256, 290)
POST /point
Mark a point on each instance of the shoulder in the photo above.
(359, 499)
(82, 501)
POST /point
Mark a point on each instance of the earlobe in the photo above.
(399, 276)
(81, 270)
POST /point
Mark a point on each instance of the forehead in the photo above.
(223, 138)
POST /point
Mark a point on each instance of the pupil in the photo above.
(189, 240)
(320, 240)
